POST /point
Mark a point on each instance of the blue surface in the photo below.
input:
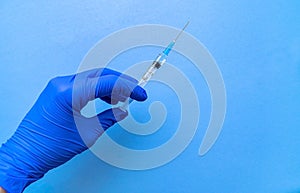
(256, 45)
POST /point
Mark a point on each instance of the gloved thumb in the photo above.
(109, 117)
(90, 129)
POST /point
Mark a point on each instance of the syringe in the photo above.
(157, 63)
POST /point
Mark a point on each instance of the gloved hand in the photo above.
(54, 130)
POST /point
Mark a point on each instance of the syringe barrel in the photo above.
(157, 63)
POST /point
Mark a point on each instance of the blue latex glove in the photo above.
(48, 135)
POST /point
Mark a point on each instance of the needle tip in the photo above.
(187, 23)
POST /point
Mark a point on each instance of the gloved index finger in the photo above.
(119, 88)
(107, 71)
(138, 94)
(98, 72)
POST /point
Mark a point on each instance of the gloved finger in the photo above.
(97, 72)
(107, 71)
(138, 94)
(109, 117)
(119, 88)
(91, 129)
(109, 100)
(113, 87)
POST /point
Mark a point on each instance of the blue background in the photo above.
(256, 45)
